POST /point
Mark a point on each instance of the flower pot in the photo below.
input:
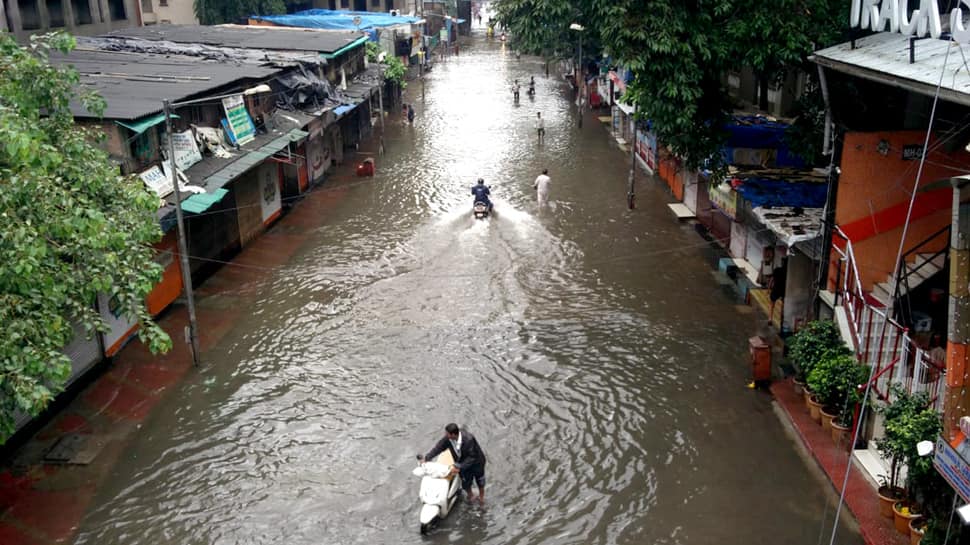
(827, 419)
(902, 516)
(887, 498)
(807, 395)
(917, 527)
(815, 410)
(798, 386)
(842, 436)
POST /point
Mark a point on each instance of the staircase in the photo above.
(924, 267)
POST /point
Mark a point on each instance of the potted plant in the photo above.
(917, 527)
(908, 420)
(925, 487)
(807, 347)
(835, 380)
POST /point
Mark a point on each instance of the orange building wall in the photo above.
(873, 197)
(170, 287)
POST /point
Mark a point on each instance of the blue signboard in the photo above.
(953, 468)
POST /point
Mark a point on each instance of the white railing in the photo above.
(880, 341)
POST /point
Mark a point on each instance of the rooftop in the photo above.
(884, 57)
(253, 37)
(133, 85)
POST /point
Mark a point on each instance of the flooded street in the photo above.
(588, 347)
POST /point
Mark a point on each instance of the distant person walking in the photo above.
(540, 127)
(410, 114)
(541, 185)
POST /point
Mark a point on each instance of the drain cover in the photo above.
(74, 448)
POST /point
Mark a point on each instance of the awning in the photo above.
(345, 48)
(791, 224)
(627, 109)
(200, 202)
(343, 108)
(139, 126)
(238, 167)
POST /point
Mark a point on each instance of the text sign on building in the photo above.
(953, 468)
(158, 182)
(894, 16)
(238, 118)
(186, 152)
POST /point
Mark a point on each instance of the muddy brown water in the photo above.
(588, 347)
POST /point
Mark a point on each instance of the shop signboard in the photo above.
(953, 467)
(238, 119)
(724, 198)
(186, 152)
(897, 17)
(647, 149)
(269, 192)
(157, 182)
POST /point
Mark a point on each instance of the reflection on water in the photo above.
(583, 344)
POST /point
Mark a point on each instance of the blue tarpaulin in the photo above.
(772, 193)
(343, 108)
(756, 132)
(337, 20)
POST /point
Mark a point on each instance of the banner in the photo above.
(238, 118)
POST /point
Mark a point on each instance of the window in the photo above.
(116, 8)
(82, 12)
(163, 3)
(146, 6)
(375, 3)
(29, 16)
(344, 4)
(55, 9)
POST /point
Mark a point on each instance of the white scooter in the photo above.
(439, 490)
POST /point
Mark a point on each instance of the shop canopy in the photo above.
(139, 126)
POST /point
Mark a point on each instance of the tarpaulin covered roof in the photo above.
(772, 192)
(253, 37)
(338, 20)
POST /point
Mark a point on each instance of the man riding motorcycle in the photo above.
(481, 192)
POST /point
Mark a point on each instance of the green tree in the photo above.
(679, 51)
(70, 228)
(214, 12)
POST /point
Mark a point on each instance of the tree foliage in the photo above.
(70, 228)
(679, 51)
(214, 12)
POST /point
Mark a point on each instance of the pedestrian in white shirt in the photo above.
(541, 186)
(540, 126)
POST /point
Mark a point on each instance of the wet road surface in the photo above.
(587, 347)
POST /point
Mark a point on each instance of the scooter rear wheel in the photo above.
(425, 528)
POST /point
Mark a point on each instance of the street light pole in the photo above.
(183, 247)
(582, 80)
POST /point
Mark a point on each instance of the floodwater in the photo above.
(588, 347)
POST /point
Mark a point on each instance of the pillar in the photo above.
(957, 400)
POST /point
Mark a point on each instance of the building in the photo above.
(339, 119)
(907, 320)
(80, 17)
(168, 12)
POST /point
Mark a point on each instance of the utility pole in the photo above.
(183, 247)
(631, 196)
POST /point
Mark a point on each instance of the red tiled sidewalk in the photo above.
(860, 496)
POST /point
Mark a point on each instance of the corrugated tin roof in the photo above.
(133, 85)
(255, 37)
(219, 172)
(884, 58)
